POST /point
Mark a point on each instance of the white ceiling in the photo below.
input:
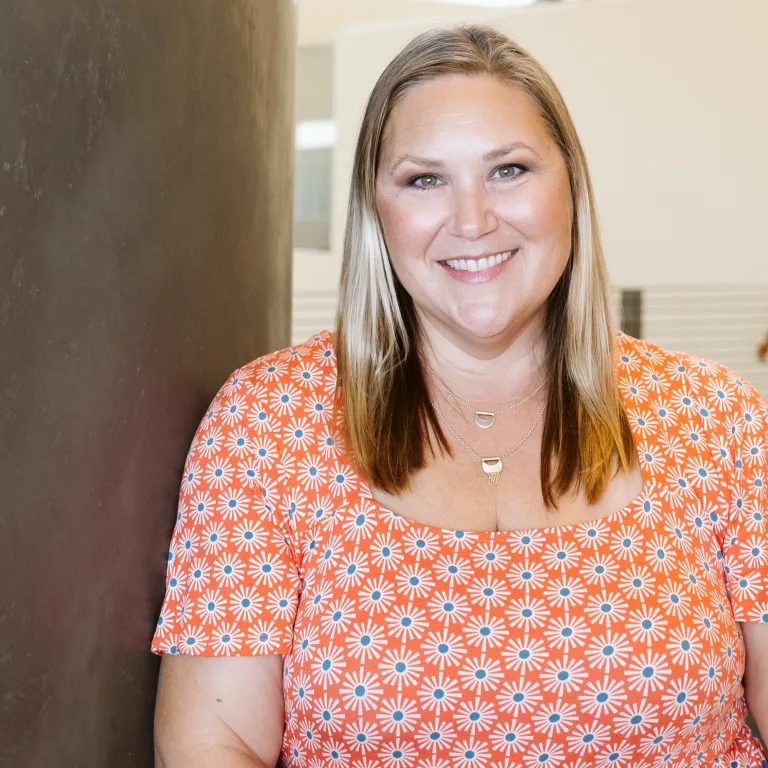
(321, 20)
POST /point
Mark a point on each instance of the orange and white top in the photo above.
(612, 643)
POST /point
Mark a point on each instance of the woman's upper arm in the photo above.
(232, 593)
(756, 672)
(742, 525)
(216, 706)
(743, 533)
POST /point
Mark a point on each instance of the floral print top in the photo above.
(614, 643)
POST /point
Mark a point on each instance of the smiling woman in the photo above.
(459, 159)
(475, 526)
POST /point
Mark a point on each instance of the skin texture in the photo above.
(219, 713)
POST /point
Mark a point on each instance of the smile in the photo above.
(481, 264)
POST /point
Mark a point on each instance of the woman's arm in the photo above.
(756, 673)
(762, 350)
(219, 712)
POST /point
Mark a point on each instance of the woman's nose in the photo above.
(473, 215)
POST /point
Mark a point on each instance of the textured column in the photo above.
(146, 154)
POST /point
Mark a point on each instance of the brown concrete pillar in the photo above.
(146, 154)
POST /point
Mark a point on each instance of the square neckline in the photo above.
(385, 514)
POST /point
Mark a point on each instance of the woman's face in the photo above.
(475, 203)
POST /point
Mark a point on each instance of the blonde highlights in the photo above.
(388, 421)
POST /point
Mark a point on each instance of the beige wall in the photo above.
(666, 95)
(314, 82)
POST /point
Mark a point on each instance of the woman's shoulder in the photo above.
(649, 372)
(299, 369)
(635, 354)
(269, 393)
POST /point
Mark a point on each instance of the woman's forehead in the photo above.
(479, 110)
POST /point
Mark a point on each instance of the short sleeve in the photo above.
(745, 536)
(232, 581)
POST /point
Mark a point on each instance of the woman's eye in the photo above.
(511, 171)
(428, 179)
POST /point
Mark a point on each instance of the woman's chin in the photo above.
(484, 321)
(483, 328)
(480, 323)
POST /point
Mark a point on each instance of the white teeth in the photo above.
(478, 265)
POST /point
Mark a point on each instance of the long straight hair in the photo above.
(387, 418)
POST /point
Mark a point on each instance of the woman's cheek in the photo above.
(529, 216)
(539, 209)
(552, 212)
(420, 217)
(410, 231)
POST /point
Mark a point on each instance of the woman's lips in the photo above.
(469, 271)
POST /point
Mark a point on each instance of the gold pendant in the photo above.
(484, 419)
(492, 467)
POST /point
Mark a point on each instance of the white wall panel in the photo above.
(313, 311)
(723, 323)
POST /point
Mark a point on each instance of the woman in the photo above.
(537, 544)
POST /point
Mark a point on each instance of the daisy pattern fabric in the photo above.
(612, 643)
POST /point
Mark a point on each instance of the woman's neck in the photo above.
(486, 372)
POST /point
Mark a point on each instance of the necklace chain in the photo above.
(477, 455)
(474, 410)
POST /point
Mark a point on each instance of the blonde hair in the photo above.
(388, 420)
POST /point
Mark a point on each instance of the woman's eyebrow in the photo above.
(495, 154)
(488, 157)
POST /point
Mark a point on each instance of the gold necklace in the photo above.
(492, 465)
(485, 419)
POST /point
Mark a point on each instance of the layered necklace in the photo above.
(485, 419)
(491, 465)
